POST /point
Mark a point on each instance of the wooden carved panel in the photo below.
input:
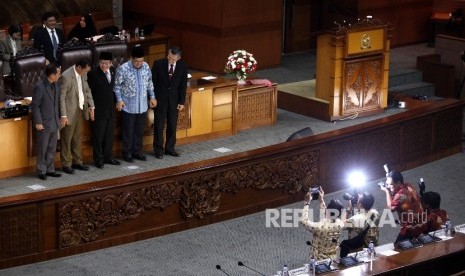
(362, 85)
(255, 107)
(87, 219)
(19, 232)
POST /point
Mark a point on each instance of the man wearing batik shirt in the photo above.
(326, 232)
(403, 198)
(364, 214)
(436, 216)
(133, 87)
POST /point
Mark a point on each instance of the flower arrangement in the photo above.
(240, 63)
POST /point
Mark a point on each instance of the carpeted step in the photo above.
(415, 88)
(401, 76)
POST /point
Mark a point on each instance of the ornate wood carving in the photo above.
(363, 85)
(86, 219)
(252, 107)
(19, 232)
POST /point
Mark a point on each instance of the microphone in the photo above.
(219, 268)
(242, 264)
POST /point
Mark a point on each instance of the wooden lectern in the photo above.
(352, 69)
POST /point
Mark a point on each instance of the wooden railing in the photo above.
(76, 219)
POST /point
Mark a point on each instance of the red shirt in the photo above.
(407, 203)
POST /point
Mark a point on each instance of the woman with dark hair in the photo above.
(83, 29)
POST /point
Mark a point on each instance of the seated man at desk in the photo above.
(436, 217)
(327, 231)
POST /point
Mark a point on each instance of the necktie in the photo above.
(55, 44)
(171, 71)
(107, 73)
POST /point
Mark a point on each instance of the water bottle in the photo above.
(142, 34)
(285, 270)
(136, 33)
(447, 228)
(311, 267)
(371, 249)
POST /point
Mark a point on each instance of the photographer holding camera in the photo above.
(364, 215)
(328, 230)
(403, 198)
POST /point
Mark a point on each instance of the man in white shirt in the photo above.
(49, 38)
(76, 104)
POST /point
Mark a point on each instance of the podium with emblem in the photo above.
(353, 68)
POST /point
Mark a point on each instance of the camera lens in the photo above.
(348, 196)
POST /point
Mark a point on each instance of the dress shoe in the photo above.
(68, 170)
(53, 174)
(158, 155)
(172, 153)
(113, 162)
(140, 157)
(43, 176)
(128, 158)
(80, 167)
(99, 165)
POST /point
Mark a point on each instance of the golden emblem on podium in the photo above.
(365, 41)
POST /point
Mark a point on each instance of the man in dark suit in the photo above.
(46, 119)
(101, 81)
(49, 38)
(76, 104)
(170, 82)
(9, 47)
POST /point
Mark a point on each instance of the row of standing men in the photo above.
(63, 100)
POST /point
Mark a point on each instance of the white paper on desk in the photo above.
(209, 78)
(444, 238)
(18, 102)
(36, 187)
(189, 76)
(223, 150)
(28, 98)
(388, 252)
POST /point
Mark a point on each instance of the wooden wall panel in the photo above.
(206, 29)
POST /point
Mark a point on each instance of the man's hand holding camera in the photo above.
(314, 193)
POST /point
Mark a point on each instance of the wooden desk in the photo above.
(445, 257)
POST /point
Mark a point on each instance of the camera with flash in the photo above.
(381, 183)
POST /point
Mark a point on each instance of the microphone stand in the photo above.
(219, 268)
(242, 264)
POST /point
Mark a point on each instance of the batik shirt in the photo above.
(132, 87)
(407, 203)
(357, 222)
(326, 234)
(436, 218)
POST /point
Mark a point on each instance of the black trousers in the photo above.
(103, 137)
(163, 113)
(132, 130)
